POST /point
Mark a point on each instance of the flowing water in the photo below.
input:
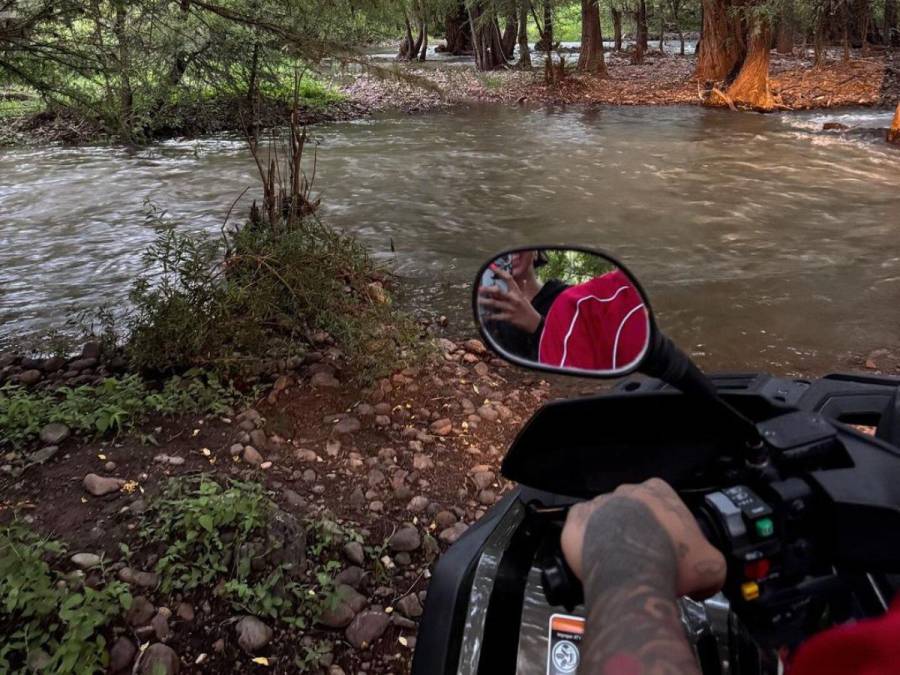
(763, 242)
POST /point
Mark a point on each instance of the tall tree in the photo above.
(591, 58)
(524, 50)
(722, 42)
(617, 27)
(751, 86)
(486, 39)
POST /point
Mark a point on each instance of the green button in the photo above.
(764, 527)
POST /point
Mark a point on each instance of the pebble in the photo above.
(325, 380)
(445, 519)
(121, 655)
(54, 433)
(338, 616)
(135, 577)
(406, 539)
(85, 561)
(29, 377)
(100, 486)
(236, 449)
(487, 497)
(160, 624)
(252, 634)
(141, 611)
(483, 479)
(422, 462)
(158, 659)
(44, 454)
(486, 412)
(347, 425)
(252, 456)
(185, 611)
(451, 534)
(417, 504)
(352, 576)
(366, 628)
(353, 551)
(441, 427)
(410, 606)
(258, 439)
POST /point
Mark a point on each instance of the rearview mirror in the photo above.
(563, 309)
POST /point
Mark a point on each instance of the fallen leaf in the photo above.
(261, 660)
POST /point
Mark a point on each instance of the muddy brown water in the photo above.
(764, 242)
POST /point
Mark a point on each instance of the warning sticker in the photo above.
(564, 645)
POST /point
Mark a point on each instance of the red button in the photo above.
(756, 569)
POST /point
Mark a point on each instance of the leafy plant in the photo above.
(220, 536)
(114, 405)
(46, 618)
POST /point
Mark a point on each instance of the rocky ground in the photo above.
(410, 463)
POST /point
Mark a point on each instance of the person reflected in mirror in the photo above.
(514, 309)
(599, 325)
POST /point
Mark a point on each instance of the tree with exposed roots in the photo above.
(751, 86)
(591, 59)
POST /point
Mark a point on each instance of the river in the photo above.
(763, 242)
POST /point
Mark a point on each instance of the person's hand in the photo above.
(699, 568)
(511, 306)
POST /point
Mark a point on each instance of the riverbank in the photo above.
(662, 79)
(659, 80)
(399, 470)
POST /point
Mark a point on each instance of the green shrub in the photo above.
(261, 299)
(114, 405)
(44, 616)
(227, 538)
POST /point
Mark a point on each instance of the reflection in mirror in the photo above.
(564, 309)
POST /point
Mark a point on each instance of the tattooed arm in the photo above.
(636, 551)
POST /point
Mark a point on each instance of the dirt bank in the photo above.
(416, 452)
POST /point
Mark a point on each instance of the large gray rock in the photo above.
(100, 485)
(366, 628)
(405, 539)
(252, 634)
(158, 659)
(54, 433)
(44, 454)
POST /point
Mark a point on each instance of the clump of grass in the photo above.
(51, 622)
(113, 406)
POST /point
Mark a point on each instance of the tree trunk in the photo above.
(893, 135)
(459, 32)
(662, 31)
(524, 50)
(424, 51)
(126, 92)
(617, 28)
(510, 33)
(819, 46)
(751, 86)
(486, 39)
(546, 42)
(721, 43)
(642, 31)
(891, 32)
(785, 41)
(591, 59)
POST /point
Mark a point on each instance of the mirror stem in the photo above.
(668, 363)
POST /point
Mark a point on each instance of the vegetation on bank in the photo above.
(53, 621)
(214, 541)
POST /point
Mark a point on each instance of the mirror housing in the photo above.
(564, 309)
